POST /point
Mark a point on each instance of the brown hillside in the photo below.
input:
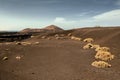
(60, 59)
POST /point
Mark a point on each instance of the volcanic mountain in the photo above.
(51, 28)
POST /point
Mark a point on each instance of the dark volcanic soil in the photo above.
(61, 59)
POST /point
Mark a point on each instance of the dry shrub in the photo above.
(23, 43)
(48, 38)
(18, 43)
(56, 35)
(32, 36)
(43, 37)
(88, 46)
(18, 57)
(26, 43)
(62, 35)
(95, 46)
(104, 55)
(5, 58)
(61, 38)
(70, 34)
(57, 38)
(75, 38)
(101, 64)
(88, 40)
(102, 49)
(37, 43)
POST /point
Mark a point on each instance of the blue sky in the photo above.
(68, 14)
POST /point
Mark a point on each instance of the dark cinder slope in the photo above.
(61, 59)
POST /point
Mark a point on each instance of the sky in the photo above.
(67, 14)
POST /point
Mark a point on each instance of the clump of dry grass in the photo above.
(88, 46)
(75, 38)
(62, 35)
(95, 46)
(70, 34)
(43, 37)
(56, 35)
(102, 49)
(104, 55)
(37, 43)
(101, 64)
(88, 40)
(57, 38)
(48, 38)
(23, 43)
(18, 57)
(18, 43)
(5, 58)
(32, 36)
(60, 38)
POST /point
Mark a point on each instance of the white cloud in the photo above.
(66, 24)
(111, 15)
(108, 18)
(62, 20)
(59, 20)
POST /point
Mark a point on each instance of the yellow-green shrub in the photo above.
(95, 46)
(100, 64)
(102, 49)
(88, 46)
(75, 38)
(103, 55)
(88, 40)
